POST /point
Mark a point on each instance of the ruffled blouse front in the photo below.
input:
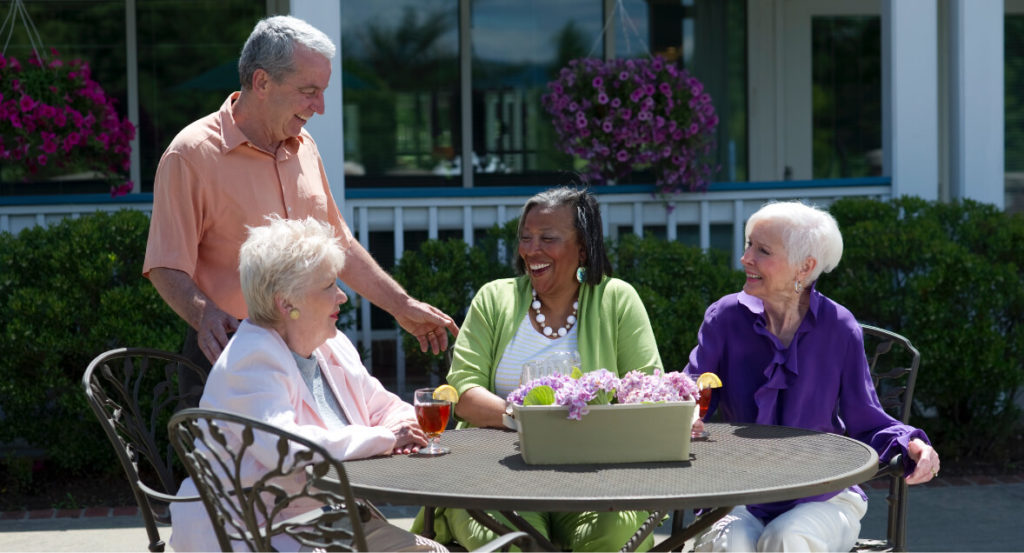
(819, 382)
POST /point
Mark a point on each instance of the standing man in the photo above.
(231, 169)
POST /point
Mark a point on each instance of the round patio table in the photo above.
(738, 465)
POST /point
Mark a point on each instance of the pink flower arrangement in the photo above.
(55, 119)
(627, 114)
(602, 387)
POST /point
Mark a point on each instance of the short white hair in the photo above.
(279, 259)
(807, 231)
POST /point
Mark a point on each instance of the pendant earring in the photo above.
(797, 286)
(294, 314)
(581, 274)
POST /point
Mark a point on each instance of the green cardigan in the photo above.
(614, 333)
(614, 330)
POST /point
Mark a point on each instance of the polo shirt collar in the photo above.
(232, 136)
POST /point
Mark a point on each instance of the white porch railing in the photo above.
(715, 217)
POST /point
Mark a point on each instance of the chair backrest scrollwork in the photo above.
(256, 481)
(133, 392)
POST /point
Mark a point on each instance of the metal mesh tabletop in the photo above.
(740, 464)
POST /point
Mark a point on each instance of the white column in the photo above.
(910, 98)
(976, 115)
(327, 129)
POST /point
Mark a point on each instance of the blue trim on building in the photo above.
(61, 199)
(479, 192)
(492, 191)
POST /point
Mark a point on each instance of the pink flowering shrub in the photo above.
(55, 119)
(627, 114)
(602, 387)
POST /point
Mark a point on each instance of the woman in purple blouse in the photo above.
(787, 355)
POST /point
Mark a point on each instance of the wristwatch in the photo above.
(508, 418)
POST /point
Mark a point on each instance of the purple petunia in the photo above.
(652, 105)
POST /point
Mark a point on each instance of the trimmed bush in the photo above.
(950, 277)
(446, 274)
(70, 292)
(677, 283)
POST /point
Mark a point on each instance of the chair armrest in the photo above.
(165, 497)
(893, 468)
(522, 540)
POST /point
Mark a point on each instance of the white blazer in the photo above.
(256, 376)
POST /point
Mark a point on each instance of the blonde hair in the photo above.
(808, 231)
(278, 260)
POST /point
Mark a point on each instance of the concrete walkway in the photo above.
(958, 514)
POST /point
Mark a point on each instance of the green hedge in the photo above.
(69, 292)
(948, 276)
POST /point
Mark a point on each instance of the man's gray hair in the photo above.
(807, 232)
(280, 259)
(271, 46)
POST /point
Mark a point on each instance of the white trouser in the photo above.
(831, 525)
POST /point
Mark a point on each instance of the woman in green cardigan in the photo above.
(564, 301)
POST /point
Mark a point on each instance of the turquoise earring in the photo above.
(581, 274)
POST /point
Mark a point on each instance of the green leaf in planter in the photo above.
(576, 373)
(541, 395)
(603, 397)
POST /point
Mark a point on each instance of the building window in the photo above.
(846, 80)
(518, 47)
(188, 65)
(709, 39)
(1014, 109)
(401, 79)
(400, 73)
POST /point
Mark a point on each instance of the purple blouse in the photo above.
(820, 382)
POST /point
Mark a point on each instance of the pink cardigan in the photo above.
(256, 376)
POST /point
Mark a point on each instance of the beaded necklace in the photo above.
(540, 318)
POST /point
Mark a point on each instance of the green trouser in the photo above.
(589, 531)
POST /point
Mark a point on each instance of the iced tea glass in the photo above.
(432, 414)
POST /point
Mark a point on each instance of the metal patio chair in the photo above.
(132, 392)
(251, 509)
(893, 362)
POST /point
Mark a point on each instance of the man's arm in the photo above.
(426, 322)
(190, 303)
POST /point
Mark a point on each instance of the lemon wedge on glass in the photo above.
(708, 380)
(446, 392)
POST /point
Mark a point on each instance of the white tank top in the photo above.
(526, 345)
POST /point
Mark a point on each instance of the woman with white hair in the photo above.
(787, 355)
(288, 365)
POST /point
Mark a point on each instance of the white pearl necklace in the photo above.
(547, 330)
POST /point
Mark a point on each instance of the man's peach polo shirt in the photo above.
(211, 184)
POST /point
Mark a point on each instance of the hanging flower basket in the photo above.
(626, 114)
(56, 120)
